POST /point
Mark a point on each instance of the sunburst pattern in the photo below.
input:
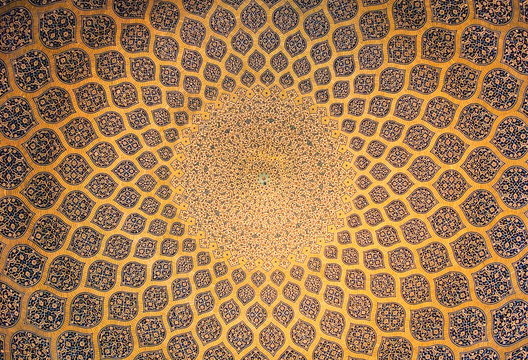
(264, 179)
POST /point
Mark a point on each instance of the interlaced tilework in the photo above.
(263, 179)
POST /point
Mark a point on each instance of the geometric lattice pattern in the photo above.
(264, 179)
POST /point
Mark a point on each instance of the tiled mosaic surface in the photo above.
(264, 179)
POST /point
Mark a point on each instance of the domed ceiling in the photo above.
(263, 179)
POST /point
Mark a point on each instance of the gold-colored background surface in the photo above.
(347, 180)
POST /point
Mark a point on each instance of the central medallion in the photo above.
(287, 145)
(263, 178)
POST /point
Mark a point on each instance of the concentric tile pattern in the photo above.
(264, 179)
